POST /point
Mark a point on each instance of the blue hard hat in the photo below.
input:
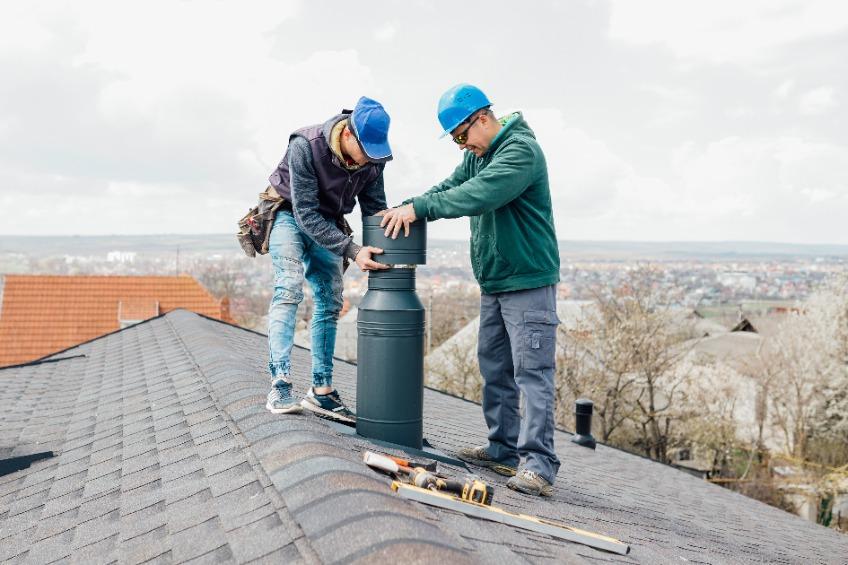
(370, 124)
(458, 103)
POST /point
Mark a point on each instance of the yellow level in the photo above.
(495, 514)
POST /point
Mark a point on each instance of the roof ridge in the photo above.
(253, 460)
(286, 448)
(443, 393)
(92, 340)
(42, 361)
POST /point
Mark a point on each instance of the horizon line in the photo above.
(458, 240)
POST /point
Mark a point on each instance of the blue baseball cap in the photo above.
(370, 124)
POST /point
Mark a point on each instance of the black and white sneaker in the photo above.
(328, 405)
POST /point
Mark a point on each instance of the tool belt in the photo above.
(254, 233)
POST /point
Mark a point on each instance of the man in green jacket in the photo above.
(502, 184)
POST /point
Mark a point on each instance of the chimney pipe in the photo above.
(390, 345)
(583, 423)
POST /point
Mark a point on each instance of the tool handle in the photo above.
(413, 464)
(454, 487)
(385, 464)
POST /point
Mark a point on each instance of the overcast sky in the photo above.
(660, 120)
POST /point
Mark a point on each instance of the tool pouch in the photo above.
(255, 227)
(342, 224)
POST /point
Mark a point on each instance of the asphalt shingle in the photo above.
(166, 454)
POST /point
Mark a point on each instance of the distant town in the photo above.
(695, 275)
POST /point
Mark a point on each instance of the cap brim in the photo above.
(377, 152)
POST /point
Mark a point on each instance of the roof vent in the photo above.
(13, 464)
(583, 423)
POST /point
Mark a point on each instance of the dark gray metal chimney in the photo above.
(583, 423)
(390, 345)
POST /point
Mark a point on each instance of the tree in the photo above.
(626, 356)
(246, 282)
(453, 369)
(803, 371)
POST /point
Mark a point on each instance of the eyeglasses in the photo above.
(461, 138)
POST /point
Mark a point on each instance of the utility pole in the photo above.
(178, 261)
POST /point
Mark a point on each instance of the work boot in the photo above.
(328, 405)
(480, 456)
(528, 482)
(280, 399)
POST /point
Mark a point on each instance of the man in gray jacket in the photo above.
(325, 170)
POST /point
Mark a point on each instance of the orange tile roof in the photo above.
(42, 314)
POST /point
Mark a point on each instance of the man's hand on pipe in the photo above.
(364, 260)
(396, 218)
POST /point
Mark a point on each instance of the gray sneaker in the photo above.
(480, 456)
(280, 399)
(528, 482)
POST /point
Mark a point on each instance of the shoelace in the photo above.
(282, 390)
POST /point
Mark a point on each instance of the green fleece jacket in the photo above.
(507, 196)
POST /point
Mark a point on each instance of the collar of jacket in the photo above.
(335, 144)
(327, 132)
(508, 123)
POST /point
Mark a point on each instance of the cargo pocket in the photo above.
(539, 339)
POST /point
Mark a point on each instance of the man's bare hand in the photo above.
(382, 212)
(364, 260)
(396, 218)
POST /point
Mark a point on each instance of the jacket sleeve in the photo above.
(372, 199)
(504, 179)
(304, 190)
(458, 176)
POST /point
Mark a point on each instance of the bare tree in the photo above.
(713, 396)
(591, 365)
(247, 283)
(798, 370)
(454, 369)
(626, 357)
(448, 312)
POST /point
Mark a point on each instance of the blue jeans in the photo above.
(517, 354)
(296, 256)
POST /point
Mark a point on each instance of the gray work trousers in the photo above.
(517, 352)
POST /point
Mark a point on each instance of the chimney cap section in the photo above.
(411, 250)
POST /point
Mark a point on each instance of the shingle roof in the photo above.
(41, 314)
(165, 451)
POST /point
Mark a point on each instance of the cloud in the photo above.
(725, 31)
(785, 89)
(817, 101)
(125, 115)
(583, 172)
(784, 189)
(387, 32)
(111, 103)
(764, 189)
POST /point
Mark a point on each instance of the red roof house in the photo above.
(42, 314)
